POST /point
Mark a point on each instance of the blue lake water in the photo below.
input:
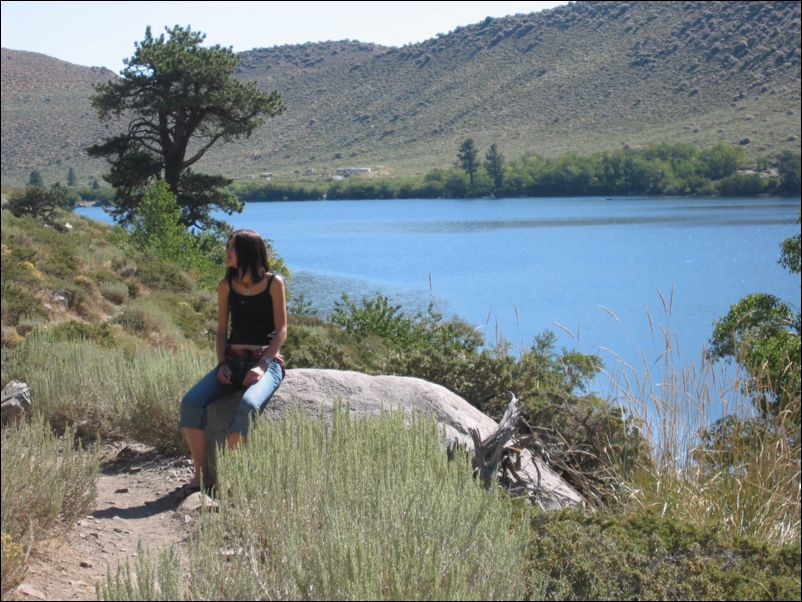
(590, 269)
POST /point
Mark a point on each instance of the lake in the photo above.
(590, 269)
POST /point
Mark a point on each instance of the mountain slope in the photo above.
(47, 119)
(584, 77)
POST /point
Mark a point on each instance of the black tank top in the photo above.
(251, 317)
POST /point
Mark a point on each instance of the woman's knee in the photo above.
(247, 412)
(255, 399)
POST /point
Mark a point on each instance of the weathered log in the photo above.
(488, 453)
(506, 457)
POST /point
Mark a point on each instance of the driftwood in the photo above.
(497, 449)
(512, 457)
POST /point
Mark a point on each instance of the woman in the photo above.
(249, 356)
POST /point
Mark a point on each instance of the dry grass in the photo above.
(131, 388)
(745, 482)
(47, 483)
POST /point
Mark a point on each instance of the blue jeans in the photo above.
(209, 389)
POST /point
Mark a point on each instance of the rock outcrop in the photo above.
(16, 403)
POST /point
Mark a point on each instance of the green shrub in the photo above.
(114, 291)
(643, 556)
(38, 202)
(156, 228)
(743, 185)
(47, 484)
(591, 436)
(105, 334)
(82, 297)
(314, 343)
(157, 274)
(364, 508)
(196, 321)
(147, 582)
(18, 302)
(152, 322)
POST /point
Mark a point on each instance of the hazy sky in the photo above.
(103, 33)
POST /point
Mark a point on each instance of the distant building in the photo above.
(352, 171)
(266, 175)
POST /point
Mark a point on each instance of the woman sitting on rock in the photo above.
(249, 356)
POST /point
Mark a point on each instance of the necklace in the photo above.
(246, 288)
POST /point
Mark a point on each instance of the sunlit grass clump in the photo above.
(47, 484)
(351, 509)
(111, 386)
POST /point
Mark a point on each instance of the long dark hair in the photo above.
(251, 256)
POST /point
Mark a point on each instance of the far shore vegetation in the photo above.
(664, 169)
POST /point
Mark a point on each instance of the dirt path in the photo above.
(134, 502)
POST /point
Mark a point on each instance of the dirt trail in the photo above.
(134, 502)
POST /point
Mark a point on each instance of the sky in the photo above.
(103, 33)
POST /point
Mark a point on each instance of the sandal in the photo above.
(186, 490)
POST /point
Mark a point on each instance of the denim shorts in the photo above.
(208, 390)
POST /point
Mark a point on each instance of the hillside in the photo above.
(585, 77)
(47, 119)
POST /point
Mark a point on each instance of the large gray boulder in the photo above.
(317, 392)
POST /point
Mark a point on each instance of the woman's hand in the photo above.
(224, 374)
(253, 375)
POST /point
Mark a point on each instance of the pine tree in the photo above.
(182, 98)
(35, 179)
(494, 163)
(467, 158)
